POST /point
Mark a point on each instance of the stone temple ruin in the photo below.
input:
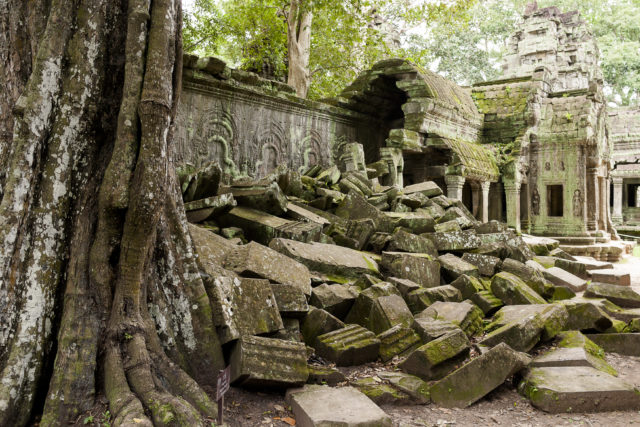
(325, 237)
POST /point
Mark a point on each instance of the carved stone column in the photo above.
(454, 186)
(617, 200)
(592, 199)
(484, 209)
(603, 205)
(512, 191)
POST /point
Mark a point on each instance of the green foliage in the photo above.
(88, 420)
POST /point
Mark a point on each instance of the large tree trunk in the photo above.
(99, 291)
(299, 43)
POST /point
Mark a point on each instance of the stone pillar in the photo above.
(476, 199)
(484, 208)
(617, 200)
(592, 199)
(512, 190)
(454, 186)
(603, 204)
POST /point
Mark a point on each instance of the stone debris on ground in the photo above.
(346, 272)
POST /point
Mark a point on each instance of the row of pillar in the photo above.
(455, 184)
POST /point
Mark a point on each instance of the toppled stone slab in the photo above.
(586, 314)
(416, 222)
(454, 241)
(381, 393)
(453, 267)
(521, 335)
(427, 188)
(397, 341)
(627, 344)
(463, 314)
(486, 264)
(476, 379)
(257, 260)
(622, 296)
(532, 277)
(409, 384)
(290, 299)
(362, 311)
(316, 406)
(349, 346)
(318, 322)
(261, 195)
(429, 328)
(389, 311)
(300, 213)
(512, 290)
(336, 299)
(467, 285)
(244, 307)
(487, 302)
(402, 241)
(262, 227)
(329, 259)
(325, 375)
(438, 357)
(422, 298)
(419, 268)
(406, 286)
(202, 209)
(287, 365)
(355, 206)
(611, 276)
(577, 389)
(212, 251)
(201, 184)
(540, 245)
(560, 277)
(554, 317)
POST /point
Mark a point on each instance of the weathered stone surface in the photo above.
(428, 188)
(511, 290)
(325, 375)
(487, 302)
(611, 276)
(389, 311)
(490, 227)
(405, 286)
(438, 357)
(575, 349)
(416, 222)
(300, 213)
(586, 314)
(261, 195)
(553, 316)
(263, 227)
(336, 299)
(476, 379)
(200, 210)
(540, 245)
(352, 345)
(454, 241)
(397, 341)
(212, 251)
(466, 315)
(486, 264)
(453, 267)
(361, 312)
(429, 328)
(467, 285)
(409, 384)
(620, 295)
(422, 298)
(322, 406)
(521, 335)
(381, 393)
(355, 206)
(244, 307)
(577, 389)
(448, 227)
(318, 322)
(329, 259)
(627, 344)
(257, 260)
(290, 299)
(560, 277)
(291, 331)
(402, 241)
(201, 184)
(286, 367)
(532, 277)
(419, 268)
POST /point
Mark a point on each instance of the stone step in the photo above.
(611, 276)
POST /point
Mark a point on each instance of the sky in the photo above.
(187, 4)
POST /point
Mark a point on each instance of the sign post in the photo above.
(222, 386)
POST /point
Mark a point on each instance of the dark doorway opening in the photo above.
(632, 193)
(555, 200)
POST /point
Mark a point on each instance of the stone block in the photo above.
(402, 241)
(487, 302)
(467, 285)
(263, 227)
(410, 384)
(586, 314)
(463, 314)
(511, 290)
(268, 362)
(290, 299)
(397, 341)
(554, 317)
(257, 260)
(454, 241)
(405, 286)
(419, 268)
(560, 277)
(477, 378)
(422, 298)
(521, 335)
(611, 276)
(204, 183)
(202, 209)
(416, 222)
(627, 344)
(622, 296)
(429, 328)
(389, 311)
(532, 277)
(336, 299)
(212, 251)
(486, 264)
(428, 188)
(448, 227)
(349, 346)
(260, 195)
(381, 393)
(325, 375)
(361, 312)
(438, 357)
(453, 267)
(316, 406)
(318, 322)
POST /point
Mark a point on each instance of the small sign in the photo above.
(222, 387)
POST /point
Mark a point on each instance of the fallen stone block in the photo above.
(329, 259)
(487, 302)
(437, 358)
(486, 264)
(467, 285)
(402, 241)
(325, 375)
(257, 260)
(291, 331)
(336, 299)
(316, 405)
(244, 307)
(389, 311)
(585, 314)
(355, 206)
(453, 267)
(405, 286)
(448, 227)
(611, 276)
(512, 290)
(627, 344)
(554, 317)
(366, 281)
(491, 227)
(518, 249)
(291, 301)
(622, 296)
(463, 314)
(318, 322)
(532, 277)
(212, 251)
(260, 195)
(474, 380)
(381, 393)
(416, 222)
(422, 298)
(300, 213)
(454, 241)
(560, 277)
(574, 349)
(349, 346)
(286, 362)
(540, 245)
(429, 328)
(521, 335)
(577, 389)
(409, 384)
(361, 311)
(202, 209)
(419, 268)
(427, 188)
(201, 184)
(397, 341)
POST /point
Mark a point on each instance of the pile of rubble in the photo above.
(331, 268)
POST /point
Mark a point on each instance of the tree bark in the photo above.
(299, 43)
(99, 290)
